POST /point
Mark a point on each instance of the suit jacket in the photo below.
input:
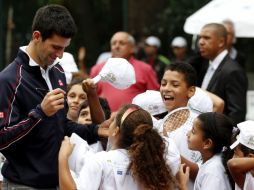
(230, 83)
(240, 59)
(200, 64)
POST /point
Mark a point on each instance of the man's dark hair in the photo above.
(187, 70)
(54, 19)
(219, 28)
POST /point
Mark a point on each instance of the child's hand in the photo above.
(88, 86)
(104, 126)
(183, 177)
(66, 148)
(108, 122)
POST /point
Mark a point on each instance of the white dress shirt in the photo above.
(213, 65)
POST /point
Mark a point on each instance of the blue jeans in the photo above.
(7, 185)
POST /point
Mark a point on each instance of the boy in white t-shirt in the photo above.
(241, 166)
(177, 87)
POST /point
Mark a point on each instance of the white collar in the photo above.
(216, 62)
(32, 63)
(233, 53)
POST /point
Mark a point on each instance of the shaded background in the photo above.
(98, 20)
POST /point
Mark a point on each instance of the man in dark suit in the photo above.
(221, 75)
(231, 39)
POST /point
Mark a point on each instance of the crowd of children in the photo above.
(175, 138)
(172, 139)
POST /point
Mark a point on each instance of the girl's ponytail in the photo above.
(146, 148)
(147, 155)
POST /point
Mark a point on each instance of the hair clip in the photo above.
(224, 148)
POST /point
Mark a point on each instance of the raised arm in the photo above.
(97, 114)
(238, 168)
(66, 182)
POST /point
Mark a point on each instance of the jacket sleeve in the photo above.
(87, 132)
(12, 126)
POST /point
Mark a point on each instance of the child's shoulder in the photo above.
(213, 164)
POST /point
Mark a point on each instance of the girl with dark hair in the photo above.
(211, 136)
(137, 159)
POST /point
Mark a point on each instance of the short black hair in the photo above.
(187, 70)
(54, 19)
(219, 28)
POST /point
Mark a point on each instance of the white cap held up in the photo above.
(118, 72)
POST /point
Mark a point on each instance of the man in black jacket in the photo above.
(234, 54)
(33, 108)
(222, 76)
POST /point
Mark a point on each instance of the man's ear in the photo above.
(36, 35)
(191, 91)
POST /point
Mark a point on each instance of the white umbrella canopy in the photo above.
(240, 12)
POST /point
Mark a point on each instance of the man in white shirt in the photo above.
(222, 76)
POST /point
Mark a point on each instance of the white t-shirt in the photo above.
(212, 175)
(107, 171)
(172, 156)
(180, 135)
(82, 155)
(96, 147)
(200, 102)
(109, 168)
(248, 183)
